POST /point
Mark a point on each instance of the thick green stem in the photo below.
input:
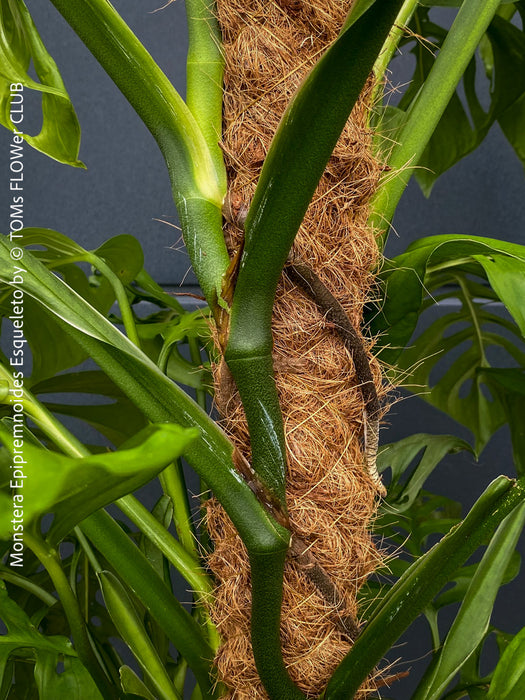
(458, 48)
(205, 69)
(211, 456)
(267, 573)
(198, 188)
(49, 559)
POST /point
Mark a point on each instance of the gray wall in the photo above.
(126, 189)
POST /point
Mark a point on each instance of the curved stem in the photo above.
(474, 320)
(122, 298)
(198, 189)
(297, 158)
(174, 486)
(28, 586)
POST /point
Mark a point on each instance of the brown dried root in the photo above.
(309, 282)
(269, 46)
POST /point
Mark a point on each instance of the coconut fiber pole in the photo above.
(331, 497)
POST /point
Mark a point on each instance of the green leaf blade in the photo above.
(74, 488)
(508, 682)
(420, 584)
(20, 42)
(472, 621)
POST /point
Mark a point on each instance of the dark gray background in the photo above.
(126, 190)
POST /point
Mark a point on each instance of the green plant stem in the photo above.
(122, 299)
(48, 557)
(424, 114)
(198, 189)
(120, 293)
(173, 485)
(390, 46)
(474, 319)
(211, 456)
(421, 583)
(196, 358)
(205, 69)
(173, 550)
(28, 586)
(88, 551)
(130, 626)
(204, 492)
(125, 557)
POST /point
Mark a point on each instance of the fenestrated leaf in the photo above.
(472, 620)
(23, 637)
(451, 269)
(72, 683)
(508, 682)
(73, 488)
(20, 43)
(511, 122)
(428, 515)
(507, 278)
(508, 48)
(404, 282)
(509, 386)
(459, 390)
(400, 455)
(465, 123)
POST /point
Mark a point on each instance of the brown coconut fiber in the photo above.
(269, 46)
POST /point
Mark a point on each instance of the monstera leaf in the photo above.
(447, 361)
(23, 642)
(20, 44)
(72, 488)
